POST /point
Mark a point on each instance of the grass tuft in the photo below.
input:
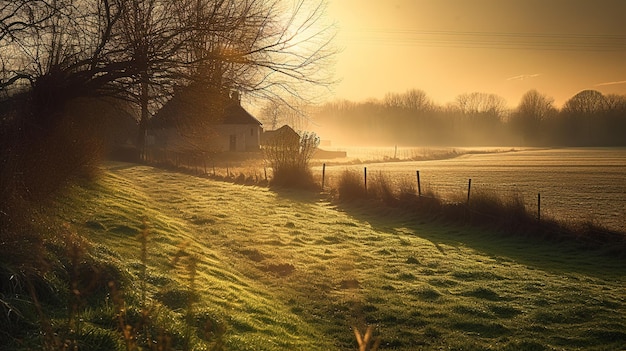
(351, 186)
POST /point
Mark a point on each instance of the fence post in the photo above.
(365, 177)
(469, 188)
(265, 171)
(323, 174)
(539, 207)
(419, 186)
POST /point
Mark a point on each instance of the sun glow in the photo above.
(452, 47)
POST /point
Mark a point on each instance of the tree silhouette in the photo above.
(534, 108)
(415, 100)
(580, 118)
(139, 50)
(586, 102)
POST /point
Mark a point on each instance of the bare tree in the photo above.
(414, 100)
(289, 154)
(58, 51)
(481, 104)
(533, 109)
(143, 48)
(272, 114)
(481, 116)
(586, 102)
(616, 102)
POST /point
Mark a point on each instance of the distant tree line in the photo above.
(589, 118)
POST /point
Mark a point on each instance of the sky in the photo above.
(505, 47)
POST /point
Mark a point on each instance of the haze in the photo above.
(451, 47)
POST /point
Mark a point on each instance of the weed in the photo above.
(365, 341)
(289, 155)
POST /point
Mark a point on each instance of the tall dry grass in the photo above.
(485, 208)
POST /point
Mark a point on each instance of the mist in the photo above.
(588, 118)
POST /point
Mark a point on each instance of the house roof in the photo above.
(284, 129)
(283, 132)
(193, 103)
(235, 114)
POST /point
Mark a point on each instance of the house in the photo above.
(238, 130)
(284, 134)
(197, 122)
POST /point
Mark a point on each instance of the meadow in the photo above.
(292, 270)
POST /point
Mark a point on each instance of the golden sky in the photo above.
(505, 47)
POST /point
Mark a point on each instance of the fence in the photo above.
(419, 188)
(566, 206)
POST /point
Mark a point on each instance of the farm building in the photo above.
(284, 133)
(238, 130)
(197, 122)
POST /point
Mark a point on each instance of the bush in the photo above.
(407, 189)
(289, 154)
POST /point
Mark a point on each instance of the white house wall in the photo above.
(247, 136)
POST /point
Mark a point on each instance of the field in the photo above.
(574, 183)
(287, 270)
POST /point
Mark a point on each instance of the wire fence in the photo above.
(555, 203)
(451, 187)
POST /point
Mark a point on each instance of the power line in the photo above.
(492, 40)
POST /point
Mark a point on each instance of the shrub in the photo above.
(407, 189)
(289, 155)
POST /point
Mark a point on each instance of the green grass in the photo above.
(288, 270)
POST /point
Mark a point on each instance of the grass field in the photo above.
(289, 270)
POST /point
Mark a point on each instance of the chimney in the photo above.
(234, 96)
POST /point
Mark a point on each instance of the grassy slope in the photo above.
(290, 271)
